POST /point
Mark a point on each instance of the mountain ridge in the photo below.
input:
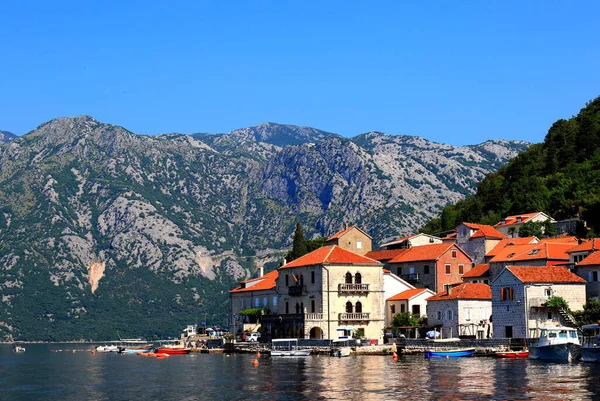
(99, 221)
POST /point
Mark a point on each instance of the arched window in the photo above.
(297, 307)
(357, 278)
(358, 308)
(348, 307)
(348, 278)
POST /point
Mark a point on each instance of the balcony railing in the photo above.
(353, 317)
(313, 316)
(414, 277)
(297, 290)
(353, 288)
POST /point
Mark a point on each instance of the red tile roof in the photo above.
(407, 295)
(344, 231)
(546, 250)
(266, 282)
(510, 220)
(537, 274)
(484, 231)
(589, 245)
(385, 254)
(592, 259)
(331, 254)
(510, 242)
(423, 252)
(477, 271)
(465, 291)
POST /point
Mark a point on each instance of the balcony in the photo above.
(411, 278)
(297, 290)
(353, 288)
(313, 316)
(538, 302)
(354, 317)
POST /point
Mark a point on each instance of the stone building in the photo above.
(412, 300)
(326, 294)
(258, 292)
(432, 266)
(586, 261)
(520, 293)
(462, 311)
(510, 225)
(477, 240)
(352, 239)
(478, 274)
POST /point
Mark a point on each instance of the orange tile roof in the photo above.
(510, 220)
(478, 271)
(423, 252)
(551, 274)
(510, 242)
(465, 291)
(589, 245)
(331, 254)
(385, 254)
(545, 250)
(484, 231)
(266, 282)
(592, 259)
(344, 231)
(408, 294)
(565, 239)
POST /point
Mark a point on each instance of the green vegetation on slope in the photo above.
(560, 176)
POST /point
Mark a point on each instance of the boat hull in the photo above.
(450, 353)
(590, 354)
(173, 351)
(556, 352)
(298, 352)
(512, 354)
(123, 350)
(341, 352)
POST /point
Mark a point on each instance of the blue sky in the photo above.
(451, 72)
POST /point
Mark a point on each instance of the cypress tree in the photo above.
(299, 248)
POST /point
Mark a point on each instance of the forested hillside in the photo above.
(560, 176)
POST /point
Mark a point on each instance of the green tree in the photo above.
(405, 319)
(299, 247)
(532, 229)
(590, 313)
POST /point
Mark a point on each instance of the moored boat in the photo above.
(107, 348)
(341, 348)
(590, 350)
(451, 353)
(513, 354)
(133, 346)
(177, 348)
(288, 347)
(556, 343)
(18, 348)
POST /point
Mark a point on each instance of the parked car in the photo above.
(253, 337)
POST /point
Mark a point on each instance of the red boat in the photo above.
(172, 350)
(513, 354)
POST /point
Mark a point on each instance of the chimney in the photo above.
(261, 271)
(448, 288)
(345, 226)
(284, 262)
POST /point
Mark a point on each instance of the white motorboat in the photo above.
(341, 347)
(288, 347)
(556, 343)
(107, 348)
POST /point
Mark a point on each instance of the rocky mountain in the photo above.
(105, 231)
(6, 136)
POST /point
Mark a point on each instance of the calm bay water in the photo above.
(41, 374)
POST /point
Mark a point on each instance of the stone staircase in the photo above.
(567, 317)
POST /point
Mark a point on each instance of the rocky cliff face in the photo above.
(6, 136)
(102, 230)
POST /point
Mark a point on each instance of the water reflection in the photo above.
(39, 374)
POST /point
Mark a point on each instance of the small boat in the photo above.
(288, 347)
(452, 353)
(513, 354)
(133, 346)
(18, 348)
(590, 350)
(177, 348)
(340, 348)
(107, 348)
(556, 343)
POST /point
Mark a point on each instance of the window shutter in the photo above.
(501, 294)
(510, 293)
